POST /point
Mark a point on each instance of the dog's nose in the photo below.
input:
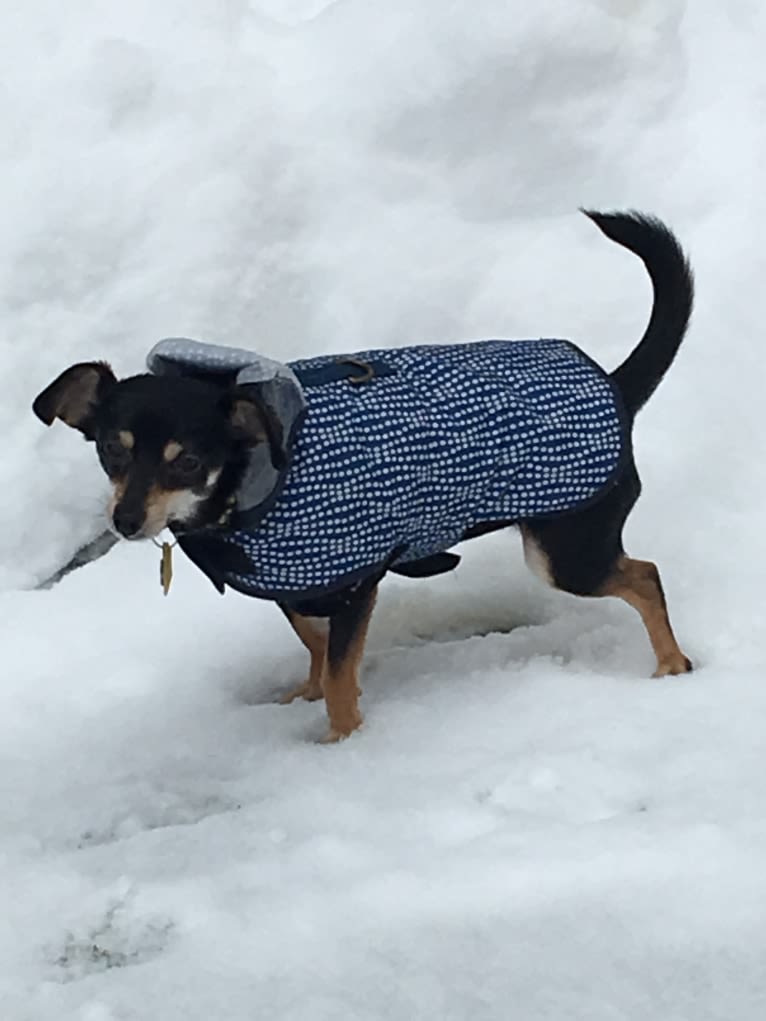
(127, 521)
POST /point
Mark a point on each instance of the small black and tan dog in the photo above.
(176, 449)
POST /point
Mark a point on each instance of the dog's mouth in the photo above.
(144, 514)
(124, 531)
(162, 509)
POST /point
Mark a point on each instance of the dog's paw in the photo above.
(340, 731)
(334, 736)
(673, 665)
(309, 691)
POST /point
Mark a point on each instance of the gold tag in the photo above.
(166, 567)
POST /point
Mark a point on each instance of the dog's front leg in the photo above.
(345, 647)
(313, 632)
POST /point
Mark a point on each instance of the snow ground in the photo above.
(527, 827)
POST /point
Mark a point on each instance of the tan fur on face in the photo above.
(172, 450)
(127, 439)
(162, 505)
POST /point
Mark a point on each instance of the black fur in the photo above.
(346, 621)
(673, 284)
(583, 547)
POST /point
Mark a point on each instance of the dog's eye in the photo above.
(115, 452)
(187, 464)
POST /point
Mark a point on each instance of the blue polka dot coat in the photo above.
(387, 472)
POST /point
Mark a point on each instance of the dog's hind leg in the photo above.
(314, 633)
(638, 583)
(582, 553)
(348, 633)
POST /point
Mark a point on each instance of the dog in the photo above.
(306, 483)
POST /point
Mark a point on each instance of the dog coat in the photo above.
(393, 455)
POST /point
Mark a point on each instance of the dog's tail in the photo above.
(673, 283)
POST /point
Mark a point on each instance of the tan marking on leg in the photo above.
(638, 583)
(126, 438)
(171, 451)
(313, 632)
(341, 684)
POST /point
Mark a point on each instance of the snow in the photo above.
(527, 827)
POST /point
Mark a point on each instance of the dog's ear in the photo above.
(74, 396)
(253, 421)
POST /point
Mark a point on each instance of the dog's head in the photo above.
(174, 448)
